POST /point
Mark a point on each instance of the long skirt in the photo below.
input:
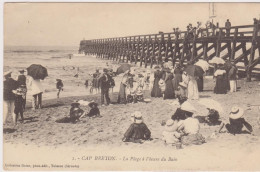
(122, 94)
(156, 91)
(193, 92)
(221, 86)
(169, 91)
(177, 79)
(200, 83)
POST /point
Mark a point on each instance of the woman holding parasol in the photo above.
(37, 73)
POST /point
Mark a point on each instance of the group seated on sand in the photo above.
(183, 129)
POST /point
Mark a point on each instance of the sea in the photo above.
(60, 62)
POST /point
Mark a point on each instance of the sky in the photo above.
(65, 24)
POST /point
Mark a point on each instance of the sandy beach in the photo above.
(41, 130)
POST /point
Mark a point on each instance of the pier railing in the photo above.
(182, 46)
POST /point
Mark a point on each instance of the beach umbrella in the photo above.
(203, 64)
(194, 70)
(217, 60)
(123, 68)
(212, 104)
(37, 71)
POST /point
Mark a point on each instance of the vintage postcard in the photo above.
(131, 86)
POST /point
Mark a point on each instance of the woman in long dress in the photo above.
(156, 91)
(177, 78)
(221, 81)
(122, 90)
(193, 92)
(169, 91)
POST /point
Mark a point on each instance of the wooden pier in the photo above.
(240, 45)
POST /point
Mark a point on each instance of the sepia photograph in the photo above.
(131, 86)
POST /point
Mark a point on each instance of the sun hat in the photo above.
(75, 103)
(187, 106)
(156, 67)
(183, 84)
(22, 71)
(8, 73)
(236, 112)
(169, 126)
(138, 117)
(92, 103)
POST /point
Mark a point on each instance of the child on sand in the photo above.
(236, 122)
(138, 131)
(170, 134)
(94, 111)
(20, 94)
(59, 86)
(75, 114)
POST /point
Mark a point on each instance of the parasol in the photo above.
(212, 104)
(123, 68)
(37, 71)
(194, 70)
(217, 60)
(203, 64)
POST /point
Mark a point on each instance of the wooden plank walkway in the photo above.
(182, 47)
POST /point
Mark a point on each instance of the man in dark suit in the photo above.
(228, 26)
(105, 81)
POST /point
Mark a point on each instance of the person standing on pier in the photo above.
(105, 80)
(228, 26)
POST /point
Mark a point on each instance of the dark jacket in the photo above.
(236, 125)
(9, 85)
(105, 81)
(93, 112)
(21, 80)
(59, 85)
(181, 114)
(137, 131)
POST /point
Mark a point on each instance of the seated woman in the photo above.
(138, 131)
(184, 110)
(236, 122)
(75, 114)
(94, 111)
(189, 129)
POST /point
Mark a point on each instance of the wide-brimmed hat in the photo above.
(92, 103)
(169, 126)
(138, 117)
(22, 71)
(105, 70)
(236, 112)
(8, 73)
(75, 103)
(183, 84)
(156, 67)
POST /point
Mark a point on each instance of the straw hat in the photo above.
(236, 112)
(170, 125)
(138, 117)
(183, 84)
(156, 67)
(22, 71)
(75, 103)
(92, 103)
